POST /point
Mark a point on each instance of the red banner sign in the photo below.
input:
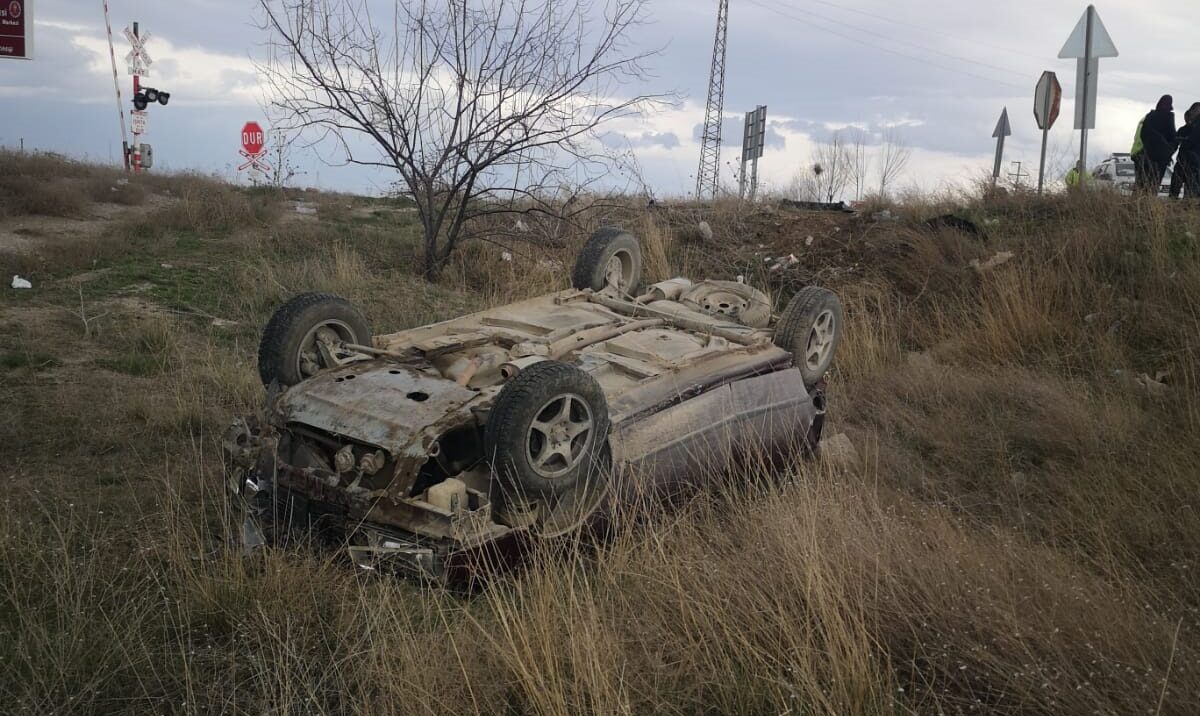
(16, 29)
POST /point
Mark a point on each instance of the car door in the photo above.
(700, 438)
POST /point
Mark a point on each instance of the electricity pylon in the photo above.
(708, 175)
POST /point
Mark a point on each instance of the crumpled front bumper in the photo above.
(270, 514)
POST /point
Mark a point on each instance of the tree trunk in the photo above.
(432, 264)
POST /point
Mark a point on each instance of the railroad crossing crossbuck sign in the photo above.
(137, 60)
(253, 146)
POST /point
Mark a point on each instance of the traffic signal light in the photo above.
(148, 95)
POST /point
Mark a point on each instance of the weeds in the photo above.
(1020, 536)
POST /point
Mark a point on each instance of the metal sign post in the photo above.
(1089, 42)
(1047, 101)
(1003, 129)
(138, 62)
(754, 136)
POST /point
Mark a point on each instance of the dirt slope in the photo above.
(1018, 535)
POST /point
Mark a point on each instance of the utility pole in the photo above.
(709, 172)
(1018, 175)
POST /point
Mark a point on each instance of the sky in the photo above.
(937, 72)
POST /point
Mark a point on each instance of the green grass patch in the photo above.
(15, 360)
(139, 364)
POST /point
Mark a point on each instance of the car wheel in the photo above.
(547, 430)
(810, 327)
(736, 301)
(611, 258)
(296, 342)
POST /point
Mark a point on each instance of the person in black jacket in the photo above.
(1187, 166)
(1159, 141)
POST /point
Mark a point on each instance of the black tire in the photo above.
(591, 266)
(512, 439)
(294, 324)
(810, 327)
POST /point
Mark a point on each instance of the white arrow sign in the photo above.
(1077, 44)
(1089, 41)
(1003, 129)
(1087, 87)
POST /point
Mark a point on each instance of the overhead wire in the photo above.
(922, 28)
(899, 41)
(890, 50)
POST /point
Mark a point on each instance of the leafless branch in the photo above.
(479, 106)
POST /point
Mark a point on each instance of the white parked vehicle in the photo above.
(1119, 172)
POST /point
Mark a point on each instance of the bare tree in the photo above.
(480, 106)
(859, 163)
(804, 186)
(894, 154)
(832, 168)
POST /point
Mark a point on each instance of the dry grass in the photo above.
(1020, 536)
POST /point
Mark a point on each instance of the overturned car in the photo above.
(433, 449)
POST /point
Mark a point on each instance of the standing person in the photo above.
(1187, 166)
(1154, 145)
(1075, 179)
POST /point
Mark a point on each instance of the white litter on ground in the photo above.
(19, 282)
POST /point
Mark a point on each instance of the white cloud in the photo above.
(938, 72)
(193, 75)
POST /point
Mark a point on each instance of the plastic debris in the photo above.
(785, 262)
(19, 282)
(705, 230)
(506, 255)
(999, 259)
(808, 241)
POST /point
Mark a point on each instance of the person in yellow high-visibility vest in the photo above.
(1075, 178)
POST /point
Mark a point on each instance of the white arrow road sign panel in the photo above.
(1003, 128)
(1102, 44)
(1093, 89)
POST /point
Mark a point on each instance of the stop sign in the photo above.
(1047, 100)
(253, 138)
